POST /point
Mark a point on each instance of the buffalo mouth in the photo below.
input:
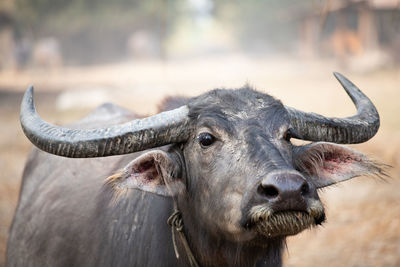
(283, 223)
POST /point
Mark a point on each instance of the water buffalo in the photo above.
(220, 169)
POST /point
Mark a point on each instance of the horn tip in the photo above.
(346, 83)
(27, 100)
(29, 91)
(339, 76)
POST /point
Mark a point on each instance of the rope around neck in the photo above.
(176, 222)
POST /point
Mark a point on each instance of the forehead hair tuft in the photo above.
(219, 102)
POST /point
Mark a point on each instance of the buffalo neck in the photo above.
(213, 250)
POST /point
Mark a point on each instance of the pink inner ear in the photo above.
(146, 173)
(149, 173)
(328, 164)
(336, 161)
(329, 160)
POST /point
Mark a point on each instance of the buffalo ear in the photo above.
(155, 172)
(327, 163)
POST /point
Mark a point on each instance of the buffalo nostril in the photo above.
(269, 191)
(305, 189)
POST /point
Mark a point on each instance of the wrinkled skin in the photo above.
(240, 195)
(248, 147)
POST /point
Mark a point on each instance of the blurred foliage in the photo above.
(265, 24)
(54, 15)
(92, 31)
(250, 19)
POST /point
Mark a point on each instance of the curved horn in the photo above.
(351, 130)
(136, 135)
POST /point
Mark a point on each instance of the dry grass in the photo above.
(363, 227)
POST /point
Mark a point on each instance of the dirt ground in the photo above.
(363, 227)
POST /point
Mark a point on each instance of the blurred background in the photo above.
(81, 53)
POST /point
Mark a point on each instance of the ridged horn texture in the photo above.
(351, 130)
(136, 135)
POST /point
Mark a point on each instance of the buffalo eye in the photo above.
(288, 135)
(206, 139)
